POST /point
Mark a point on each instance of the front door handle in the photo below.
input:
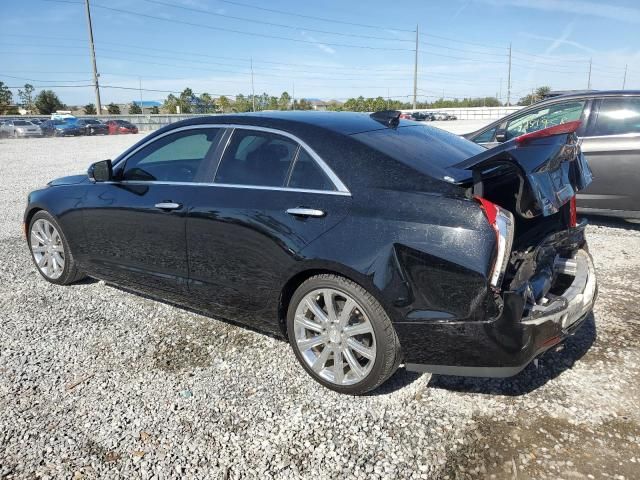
(305, 212)
(168, 205)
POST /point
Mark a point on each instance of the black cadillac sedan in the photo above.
(365, 240)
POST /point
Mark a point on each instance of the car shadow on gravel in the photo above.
(550, 365)
(612, 222)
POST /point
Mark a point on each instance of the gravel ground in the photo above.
(98, 382)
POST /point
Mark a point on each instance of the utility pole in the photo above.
(293, 103)
(93, 59)
(509, 79)
(500, 95)
(141, 104)
(415, 73)
(624, 79)
(253, 92)
(589, 79)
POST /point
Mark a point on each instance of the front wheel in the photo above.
(341, 335)
(50, 250)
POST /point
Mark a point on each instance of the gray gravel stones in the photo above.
(98, 382)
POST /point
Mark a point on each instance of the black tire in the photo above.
(388, 353)
(70, 272)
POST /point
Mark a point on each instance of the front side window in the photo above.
(618, 116)
(178, 157)
(255, 157)
(486, 137)
(545, 117)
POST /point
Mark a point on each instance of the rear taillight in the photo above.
(502, 222)
(573, 212)
(569, 127)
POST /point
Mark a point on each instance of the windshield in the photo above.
(421, 147)
(91, 122)
(22, 123)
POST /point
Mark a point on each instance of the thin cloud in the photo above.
(325, 48)
(575, 7)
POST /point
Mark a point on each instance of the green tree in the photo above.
(170, 104)
(274, 104)
(534, 97)
(224, 103)
(47, 102)
(113, 109)
(206, 104)
(134, 109)
(155, 110)
(6, 98)
(303, 104)
(187, 100)
(89, 109)
(242, 104)
(26, 97)
(284, 101)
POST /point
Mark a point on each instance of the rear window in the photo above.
(421, 147)
(22, 123)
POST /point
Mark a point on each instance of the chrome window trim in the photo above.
(341, 188)
(228, 185)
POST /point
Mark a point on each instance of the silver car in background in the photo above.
(19, 129)
(610, 139)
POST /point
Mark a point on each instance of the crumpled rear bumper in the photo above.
(504, 346)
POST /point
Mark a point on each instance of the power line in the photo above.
(273, 24)
(240, 32)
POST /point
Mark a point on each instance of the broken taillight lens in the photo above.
(503, 224)
(573, 212)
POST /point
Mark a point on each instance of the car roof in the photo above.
(346, 123)
(590, 94)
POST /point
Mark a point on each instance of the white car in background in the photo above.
(19, 129)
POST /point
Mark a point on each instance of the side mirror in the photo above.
(101, 171)
(501, 135)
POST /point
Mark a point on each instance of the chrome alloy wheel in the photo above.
(335, 336)
(47, 248)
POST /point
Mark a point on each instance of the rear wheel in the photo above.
(50, 250)
(341, 335)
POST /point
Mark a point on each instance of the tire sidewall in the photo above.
(68, 270)
(372, 379)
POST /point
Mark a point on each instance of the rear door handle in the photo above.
(168, 205)
(305, 212)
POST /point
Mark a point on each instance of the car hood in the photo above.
(69, 180)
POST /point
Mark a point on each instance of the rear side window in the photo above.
(178, 157)
(307, 174)
(257, 158)
(618, 116)
(545, 117)
(421, 147)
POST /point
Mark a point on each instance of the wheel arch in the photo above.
(297, 279)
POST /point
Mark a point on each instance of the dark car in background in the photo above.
(92, 126)
(121, 126)
(610, 138)
(61, 128)
(422, 116)
(364, 240)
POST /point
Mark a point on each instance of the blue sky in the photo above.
(368, 50)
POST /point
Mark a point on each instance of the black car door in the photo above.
(271, 196)
(612, 148)
(135, 225)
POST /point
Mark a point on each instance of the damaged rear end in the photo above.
(542, 279)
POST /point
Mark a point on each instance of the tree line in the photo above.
(47, 102)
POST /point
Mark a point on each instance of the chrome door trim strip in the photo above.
(340, 186)
(228, 185)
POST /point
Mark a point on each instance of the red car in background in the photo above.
(121, 126)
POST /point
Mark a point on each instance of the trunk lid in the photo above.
(529, 175)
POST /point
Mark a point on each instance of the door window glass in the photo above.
(618, 116)
(174, 158)
(308, 174)
(545, 117)
(487, 136)
(256, 158)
